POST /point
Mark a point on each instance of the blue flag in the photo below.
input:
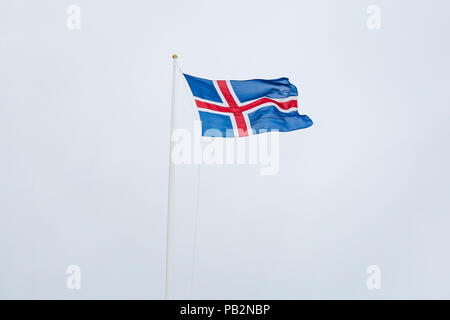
(238, 108)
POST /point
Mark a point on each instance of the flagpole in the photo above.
(170, 202)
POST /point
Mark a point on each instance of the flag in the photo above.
(238, 108)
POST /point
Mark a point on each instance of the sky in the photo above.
(84, 151)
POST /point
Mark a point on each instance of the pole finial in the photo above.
(174, 56)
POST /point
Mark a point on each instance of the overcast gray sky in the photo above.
(84, 142)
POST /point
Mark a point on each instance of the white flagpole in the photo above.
(169, 249)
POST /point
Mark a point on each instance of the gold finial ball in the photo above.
(174, 56)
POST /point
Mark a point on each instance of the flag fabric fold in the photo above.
(238, 108)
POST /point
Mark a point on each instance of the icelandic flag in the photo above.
(238, 108)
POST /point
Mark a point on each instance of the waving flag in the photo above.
(237, 108)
